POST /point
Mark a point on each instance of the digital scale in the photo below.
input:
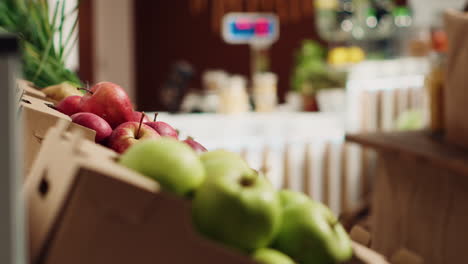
(258, 30)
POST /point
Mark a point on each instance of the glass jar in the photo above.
(264, 91)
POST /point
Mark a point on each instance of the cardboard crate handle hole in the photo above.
(44, 186)
(51, 106)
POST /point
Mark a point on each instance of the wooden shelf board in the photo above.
(420, 145)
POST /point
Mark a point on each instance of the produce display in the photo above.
(107, 109)
(163, 129)
(231, 203)
(313, 226)
(109, 101)
(271, 256)
(195, 145)
(171, 163)
(128, 134)
(61, 91)
(238, 207)
(70, 105)
(94, 122)
(251, 207)
(137, 116)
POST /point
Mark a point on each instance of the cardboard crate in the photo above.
(85, 208)
(37, 116)
(27, 88)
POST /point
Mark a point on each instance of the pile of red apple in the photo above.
(107, 109)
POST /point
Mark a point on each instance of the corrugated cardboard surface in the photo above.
(37, 118)
(85, 208)
(52, 176)
(26, 88)
(456, 88)
(129, 225)
(95, 211)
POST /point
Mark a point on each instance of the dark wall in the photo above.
(167, 31)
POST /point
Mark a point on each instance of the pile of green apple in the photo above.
(237, 206)
(106, 108)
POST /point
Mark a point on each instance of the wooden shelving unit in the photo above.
(420, 195)
(420, 145)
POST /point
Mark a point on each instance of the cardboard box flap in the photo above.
(100, 159)
(27, 88)
(61, 158)
(84, 145)
(38, 117)
(88, 134)
(41, 106)
(164, 235)
(44, 112)
(130, 203)
(44, 197)
(109, 168)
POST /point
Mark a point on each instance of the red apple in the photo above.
(195, 145)
(130, 133)
(109, 101)
(137, 117)
(69, 105)
(163, 129)
(94, 122)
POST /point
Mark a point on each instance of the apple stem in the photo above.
(85, 89)
(246, 182)
(188, 138)
(139, 126)
(155, 116)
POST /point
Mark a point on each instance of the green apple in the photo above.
(310, 233)
(291, 198)
(218, 161)
(271, 256)
(173, 164)
(239, 208)
(219, 154)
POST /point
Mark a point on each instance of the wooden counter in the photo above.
(420, 145)
(420, 196)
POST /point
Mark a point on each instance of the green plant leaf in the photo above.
(60, 29)
(43, 57)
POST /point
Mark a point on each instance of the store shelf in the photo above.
(420, 145)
